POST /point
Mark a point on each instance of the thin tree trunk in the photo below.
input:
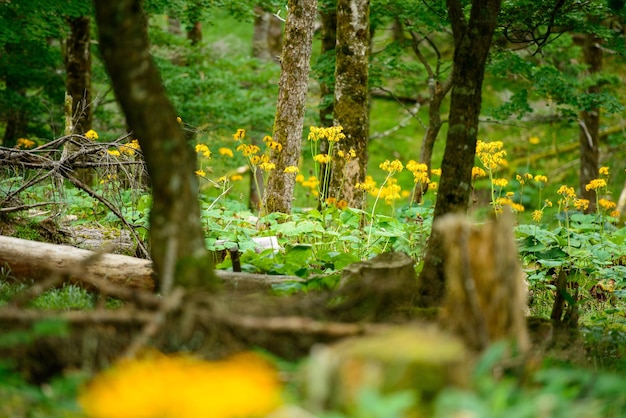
(291, 104)
(78, 85)
(351, 98)
(472, 40)
(176, 235)
(589, 137)
(328, 17)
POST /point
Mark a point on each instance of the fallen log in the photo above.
(37, 261)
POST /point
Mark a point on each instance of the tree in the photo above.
(293, 86)
(472, 40)
(351, 108)
(176, 236)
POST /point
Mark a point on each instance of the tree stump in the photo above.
(485, 285)
(422, 360)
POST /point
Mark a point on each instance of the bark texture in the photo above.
(78, 72)
(472, 39)
(351, 106)
(293, 86)
(589, 137)
(176, 236)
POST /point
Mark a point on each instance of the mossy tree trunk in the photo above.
(589, 137)
(176, 236)
(351, 98)
(472, 39)
(292, 90)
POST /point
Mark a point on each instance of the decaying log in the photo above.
(37, 260)
(485, 289)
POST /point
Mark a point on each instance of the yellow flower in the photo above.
(537, 215)
(248, 150)
(291, 169)
(394, 166)
(91, 134)
(541, 178)
(113, 152)
(227, 152)
(239, 135)
(200, 173)
(201, 148)
(436, 172)
(566, 191)
(433, 185)
(548, 203)
(478, 172)
(322, 158)
(299, 178)
(331, 133)
(178, 119)
(607, 204)
(534, 140)
(595, 184)
(615, 214)
(368, 185)
(581, 204)
(490, 154)
(23, 143)
(276, 146)
(267, 139)
(222, 179)
(341, 205)
(236, 177)
(500, 182)
(131, 147)
(603, 171)
(520, 179)
(267, 166)
(331, 201)
(183, 387)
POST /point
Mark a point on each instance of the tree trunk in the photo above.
(78, 86)
(291, 104)
(472, 40)
(589, 137)
(195, 33)
(328, 17)
(351, 98)
(176, 235)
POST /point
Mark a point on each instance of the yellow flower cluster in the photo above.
(419, 171)
(596, 184)
(312, 183)
(184, 387)
(490, 154)
(341, 204)
(516, 207)
(91, 134)
(391, 192)
(248, 149)
(369, 185)
(347, 155)
(226, 152)
(331, 133)
(24, 143)
(263, 162)
(322, 158)
(392, 167)
(292, 169)
(202, 148)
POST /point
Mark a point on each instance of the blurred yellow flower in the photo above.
(236, 177)
(500, 182)
(91, 134)
(436, 172)
(581, 204)
(130, 148)
(603, 171)
(322, 158)
(541, 178)
(24, 143)
(615, 214)
(537, 215)
(113, 152)
(595, 184)
(183, 387)
(491, 154)
(368, 185)
(607, 204)
(299, 178)
(239, 135)
(478, 172)
(394, 166)
(534, 140)
(227, 152)
(178, 119)
(276, 146)
(200, 173)
(291, 169)
(248, 150)
(566, 191)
